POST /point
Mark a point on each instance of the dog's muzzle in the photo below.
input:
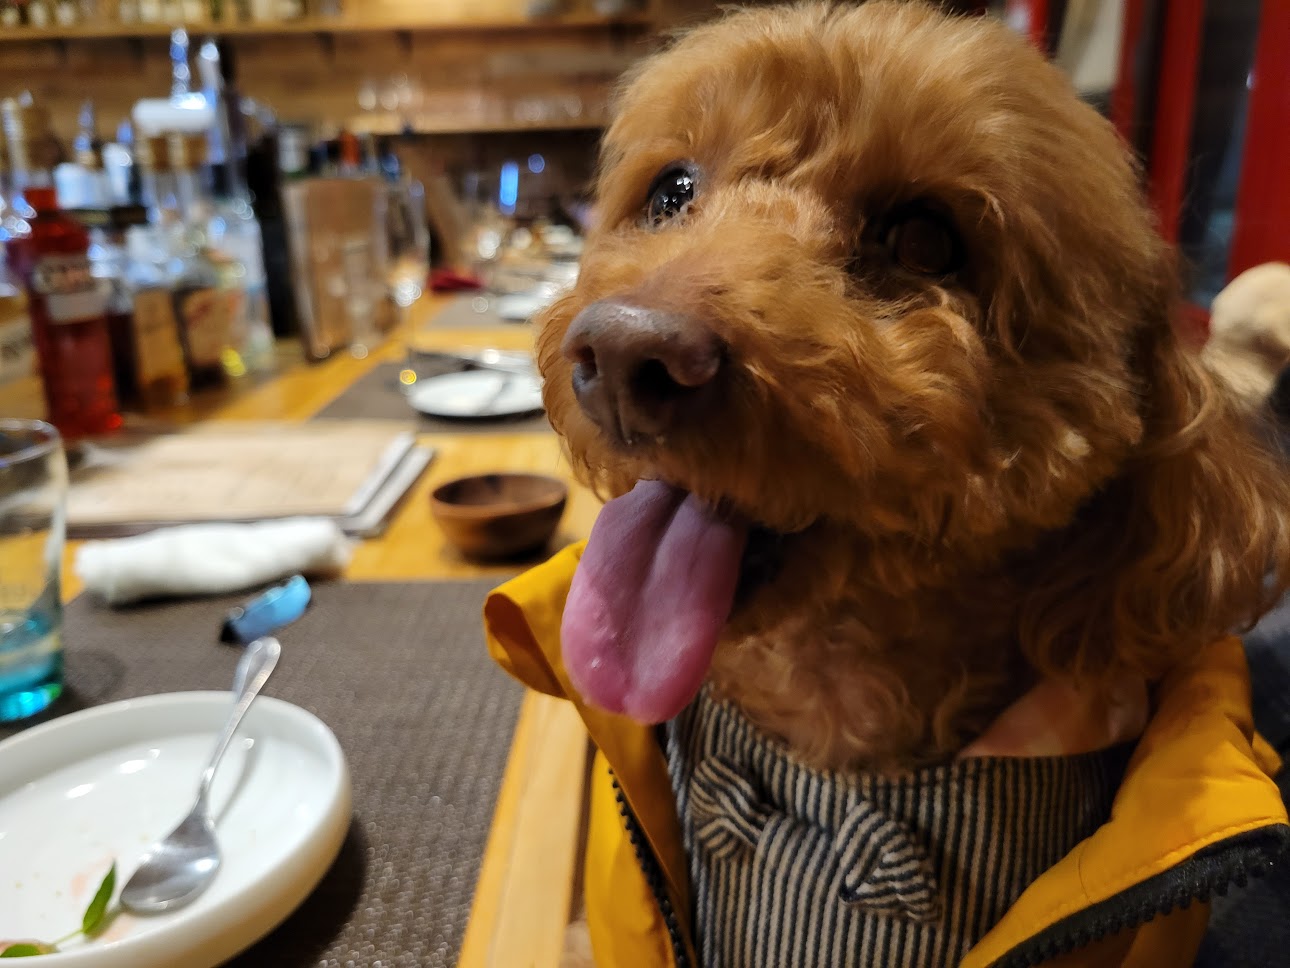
(639, 373)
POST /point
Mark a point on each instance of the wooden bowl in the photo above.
(499, 515)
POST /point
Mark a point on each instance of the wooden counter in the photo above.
(525, 890)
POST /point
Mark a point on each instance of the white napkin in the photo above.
(211, 559)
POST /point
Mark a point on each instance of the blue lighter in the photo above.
(267, 612)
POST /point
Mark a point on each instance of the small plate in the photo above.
(103, 784)
(477, 393)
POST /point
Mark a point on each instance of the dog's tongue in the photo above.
(650, 596)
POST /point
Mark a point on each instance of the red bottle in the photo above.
(64, 300)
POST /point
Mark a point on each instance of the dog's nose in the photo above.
(639, 372)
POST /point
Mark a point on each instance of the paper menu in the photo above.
(238, 472)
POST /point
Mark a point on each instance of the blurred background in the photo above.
(490, 111)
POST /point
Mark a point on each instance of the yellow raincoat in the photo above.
(1196, 811)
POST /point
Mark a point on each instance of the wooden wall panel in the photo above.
(308, 78)
(453, 82)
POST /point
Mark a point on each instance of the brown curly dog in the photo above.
(875, 331)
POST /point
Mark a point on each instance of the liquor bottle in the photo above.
(202, 303)
(10, 14)
(66, 12)
(147, 349)
(150, 354)
(65, 301)
(38, 14)
(237, 249)
(293, 151)
(351, 154)
(13, 212)
(236, 244)
(83, 182)
(15, 333)
(227, 137)
(275, 157)
(324, 153)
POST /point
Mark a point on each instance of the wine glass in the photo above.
(407, 236)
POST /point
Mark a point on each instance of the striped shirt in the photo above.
(798, 868)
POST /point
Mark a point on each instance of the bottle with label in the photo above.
(293, 151)
(82, 182)
(108, 262)
(237, 249)
(66, 303)
(38, 14)
(10, 14)
(234, 236)
(204, 308)
(351, 153)
(145, 337)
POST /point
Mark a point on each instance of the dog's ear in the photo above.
(1189, 543)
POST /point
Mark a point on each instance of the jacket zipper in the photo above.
(1210, 872)
(653, 873)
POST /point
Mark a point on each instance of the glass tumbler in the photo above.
(33, 501)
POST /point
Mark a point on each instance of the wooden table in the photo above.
(525, 888)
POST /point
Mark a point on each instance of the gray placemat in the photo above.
(400, 673)
(462, 314)
(379, 396)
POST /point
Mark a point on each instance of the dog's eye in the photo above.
(924, 242)
(668, 196)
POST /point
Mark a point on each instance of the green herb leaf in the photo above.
(98, 907)
(24, 951)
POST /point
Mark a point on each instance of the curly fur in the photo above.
(1015, 472)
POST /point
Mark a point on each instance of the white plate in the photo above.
(520, 307)
(477, 393)
(104, 783)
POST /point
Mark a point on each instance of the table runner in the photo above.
(400, 673)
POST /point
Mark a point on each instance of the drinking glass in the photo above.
(407, 251)
(33, 501)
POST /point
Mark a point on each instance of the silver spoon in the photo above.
(177, 869)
